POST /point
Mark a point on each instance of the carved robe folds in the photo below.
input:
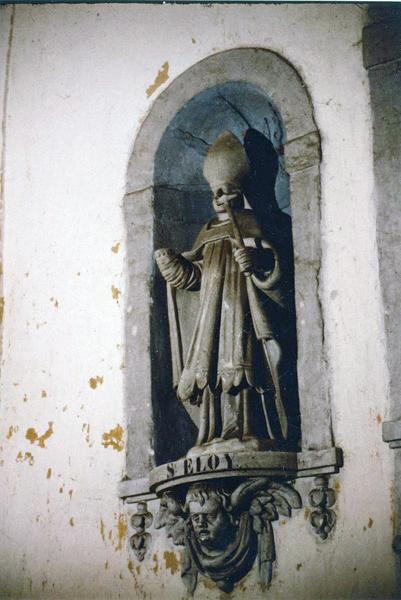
(231, 368)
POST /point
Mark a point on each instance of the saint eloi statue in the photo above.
(232, 367)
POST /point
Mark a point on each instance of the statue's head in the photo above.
(225, 168)
(209, 516)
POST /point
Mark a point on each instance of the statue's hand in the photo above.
(243, 256)
(167, 262)
(164, 256)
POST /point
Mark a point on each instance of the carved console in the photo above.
(220, 508)
(225, 529)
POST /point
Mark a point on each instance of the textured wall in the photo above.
(80, 81)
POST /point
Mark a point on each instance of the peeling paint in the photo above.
(54, 301)
(33, 437)
(2, 302)
(122, 528)
(378, 419)
(44, 394)
(25, 398)
(155, 567)
(370, 522)
(49, 473)
(115, 248)
(102, 530)
(86, 430)
(171, 561)
(72, 522)
(115, 292)
(306, 513)
(95, 381)
(25, 457)
(160, 78)
(11, 430)
(208, 584)
(114, 438)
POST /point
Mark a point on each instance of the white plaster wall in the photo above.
(76, 98)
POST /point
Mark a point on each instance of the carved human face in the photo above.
(210, 522)
(226, 192)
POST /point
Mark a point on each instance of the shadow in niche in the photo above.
(182, 205)
(277, 227)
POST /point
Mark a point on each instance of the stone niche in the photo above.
(167, 201)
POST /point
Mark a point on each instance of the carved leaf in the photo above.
(282, 505)
(141, 521)
(177, 532)
(161, 518)
(317, 497)
(256, 507)
(247, 490)
(287, 492)
(330, 497)
(266, 553)
(265, 571)
(323, 521)
(189, 573)
(270, 513)
(257, 524)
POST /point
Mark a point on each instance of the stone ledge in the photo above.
(277, 465)
(135, 490)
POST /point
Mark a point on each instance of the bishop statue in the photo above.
(231, 370)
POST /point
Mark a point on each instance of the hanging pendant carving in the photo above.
(225, 531)
(141, 539)
(322, 498)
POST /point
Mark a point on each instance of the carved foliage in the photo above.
(322, 498)
(141, 539)
(224, 531)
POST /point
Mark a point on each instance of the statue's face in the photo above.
(226, 192)
(210, 522)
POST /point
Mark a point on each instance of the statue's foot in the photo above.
(222, 445)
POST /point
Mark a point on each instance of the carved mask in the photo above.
(211, 523)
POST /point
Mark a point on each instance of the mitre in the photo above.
(226, 161)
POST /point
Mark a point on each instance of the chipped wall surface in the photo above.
(80, 80)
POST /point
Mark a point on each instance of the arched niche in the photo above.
(264, 86)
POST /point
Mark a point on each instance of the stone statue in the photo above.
(224, 531)
(231, 370)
